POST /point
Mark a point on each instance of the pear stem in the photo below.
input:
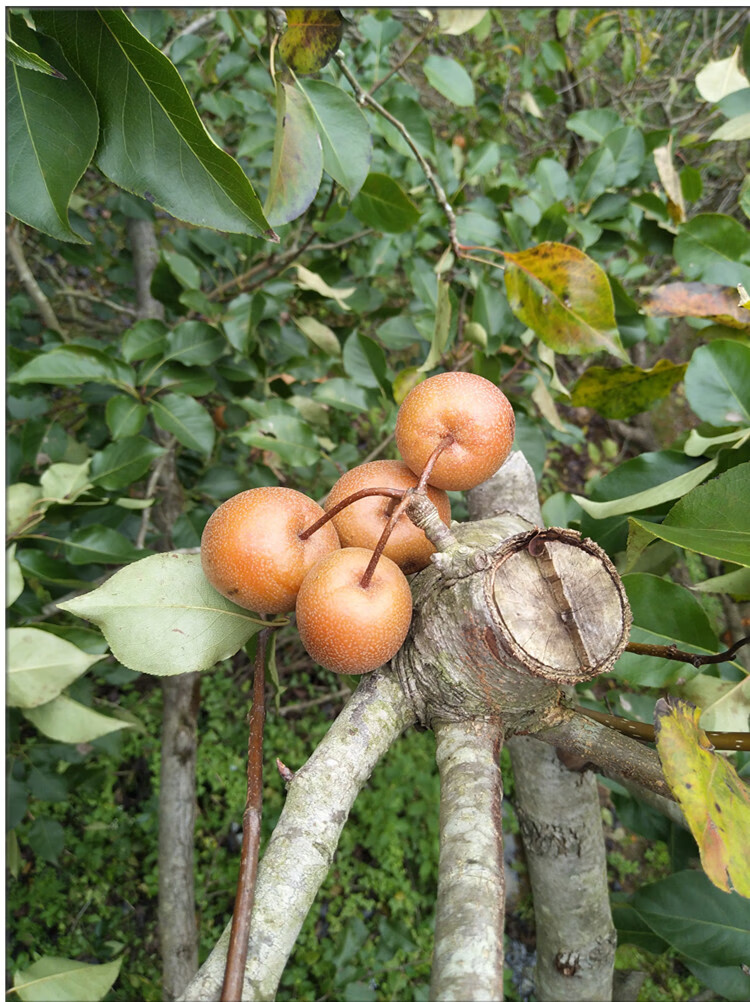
(366, 492)
(401, 507)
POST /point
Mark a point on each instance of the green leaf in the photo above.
(663, 613)
(65, 482)
(99, 544)
(55, 979)
(187, 420)
(162, 617)
(364, 362)
(51, 133)
(696, 918)
(123, 462)
(183, 269)
(442, 329)
(343, 395)
(194, 343)
(124, 416)
(71, 366)
(63, 719)
(735, 130)
(19, 56)
(628, 149)
(713, 247)
(311, 38)
(41, 665)
(20, 501)
(734, 583)
(416, 121)
(595, 175)
(729, 983)
(717, 383)
(320, 335)
(725, 706)
(152, 141)
(38, 564)
(382, 205)
(145, 339)
(289, 437)
(344, 134)
(595, 124)
(669, 490)
(450, 79)
(47, 839)
(14, 583)
(623, 392)
(713, 519)
(565, 297)
(297, 164)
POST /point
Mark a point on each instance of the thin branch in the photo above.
(91, 298)
(31, 285)
(243, 905)
(364, 98)
(394, 69)
(673, 653)
(721, 740)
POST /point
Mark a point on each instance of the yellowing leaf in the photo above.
(715, 801)
(565, 297)
(721, 77)
(312, 37)
(696, 299)
(457, 20)
(623, 392)
(310, 280)
(670, 181)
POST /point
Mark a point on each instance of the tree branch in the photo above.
(302, 846)
(468, 958)
(364, 98)
(31, 285)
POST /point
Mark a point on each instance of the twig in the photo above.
(90, 297)
(232, 988)
(31, 285)
(673, 653)
(722, 740)
(399, 64)
(364, 98)
(196, 25)
(342, 693)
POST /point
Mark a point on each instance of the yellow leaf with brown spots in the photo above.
(715, 801)
(312, 36)
(565, 297)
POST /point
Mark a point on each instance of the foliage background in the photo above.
(285, 364)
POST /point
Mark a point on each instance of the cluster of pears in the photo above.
(342, 568)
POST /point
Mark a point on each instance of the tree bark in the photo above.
(468, 958)
(178, 931)
(301, 849)
(560, 820)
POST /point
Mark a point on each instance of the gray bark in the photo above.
(560, 823)
(468, 958)
(301, 849)
(561, 827)
(178, 930)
